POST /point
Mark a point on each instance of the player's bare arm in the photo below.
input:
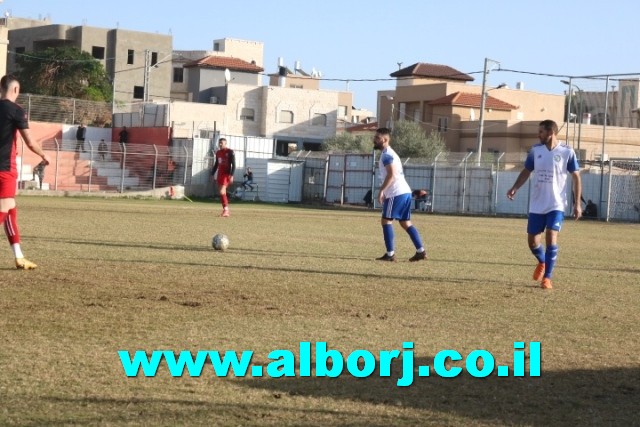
(33, 146)
(387, 182)
(577, 193)
(522, 178)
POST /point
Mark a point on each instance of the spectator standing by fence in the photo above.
(171, 169)
(102, 149)
(39, 172)
(124, 136)
(80, 137)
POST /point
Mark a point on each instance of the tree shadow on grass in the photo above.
(571, 397)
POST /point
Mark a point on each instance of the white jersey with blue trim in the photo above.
(551, 169)
(399, 184)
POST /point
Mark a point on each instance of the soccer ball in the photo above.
(220, 242)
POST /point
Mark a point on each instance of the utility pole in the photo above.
(145, 97)
(483, 100)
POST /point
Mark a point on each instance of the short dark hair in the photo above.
(549, 125)
(6, 81)
(383, 131)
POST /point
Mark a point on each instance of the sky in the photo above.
(352, 41)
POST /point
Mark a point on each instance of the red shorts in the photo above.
(224, 179)
(8, 184)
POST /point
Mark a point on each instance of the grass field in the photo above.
(141, 275)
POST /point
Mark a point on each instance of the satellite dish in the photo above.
(227, 75)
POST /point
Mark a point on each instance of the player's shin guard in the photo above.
(550, 258)
(415, 237)
(11, 226)
(225, 200)
(538, 252)
(387, 232)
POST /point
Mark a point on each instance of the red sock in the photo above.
(225, 200)
(11, 225)
(3, 217)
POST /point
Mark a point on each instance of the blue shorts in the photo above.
(551, 220)
(398, 207)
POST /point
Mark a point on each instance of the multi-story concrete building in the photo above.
(138, 63)
(292, 109)
(440, 99)
(250, 52)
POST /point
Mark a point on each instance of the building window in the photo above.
(97, 52)
(342, 111)
(216, 47)
(154, 58)
(283, 148)
(296, 86)
(285, 116)
(178, 74)
(443, 124)
(319, 120)
(130, 56)
(207, 134)
(138, 92)
(20, 50)
(247, 114)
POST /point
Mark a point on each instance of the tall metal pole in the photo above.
(604, 138)
(569, 108)
(145, 96)
(113, 96)
(580, 112)
(483, 100)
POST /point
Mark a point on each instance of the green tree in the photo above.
(348, 143)
(409, 139)
(64, 72)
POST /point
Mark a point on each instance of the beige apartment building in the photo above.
(221, 91)
(244, 51)
(295, 118)
(138, 63)
(442, 99)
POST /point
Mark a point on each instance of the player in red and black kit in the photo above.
(13, 120)
(225, 165)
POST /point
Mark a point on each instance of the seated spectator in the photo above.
(591, 210)
(368, 200)
(248, 180)
(422, 199)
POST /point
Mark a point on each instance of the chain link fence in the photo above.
(51, 109)
(107, 167)
(458, 183)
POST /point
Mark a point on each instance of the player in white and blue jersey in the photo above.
(395, 197)
(552, 164)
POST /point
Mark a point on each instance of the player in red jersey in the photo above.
(225, 165)
(13, 120)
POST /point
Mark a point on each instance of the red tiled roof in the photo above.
(436, 71)
(462, 99)
(363, 127)
(223, 62)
